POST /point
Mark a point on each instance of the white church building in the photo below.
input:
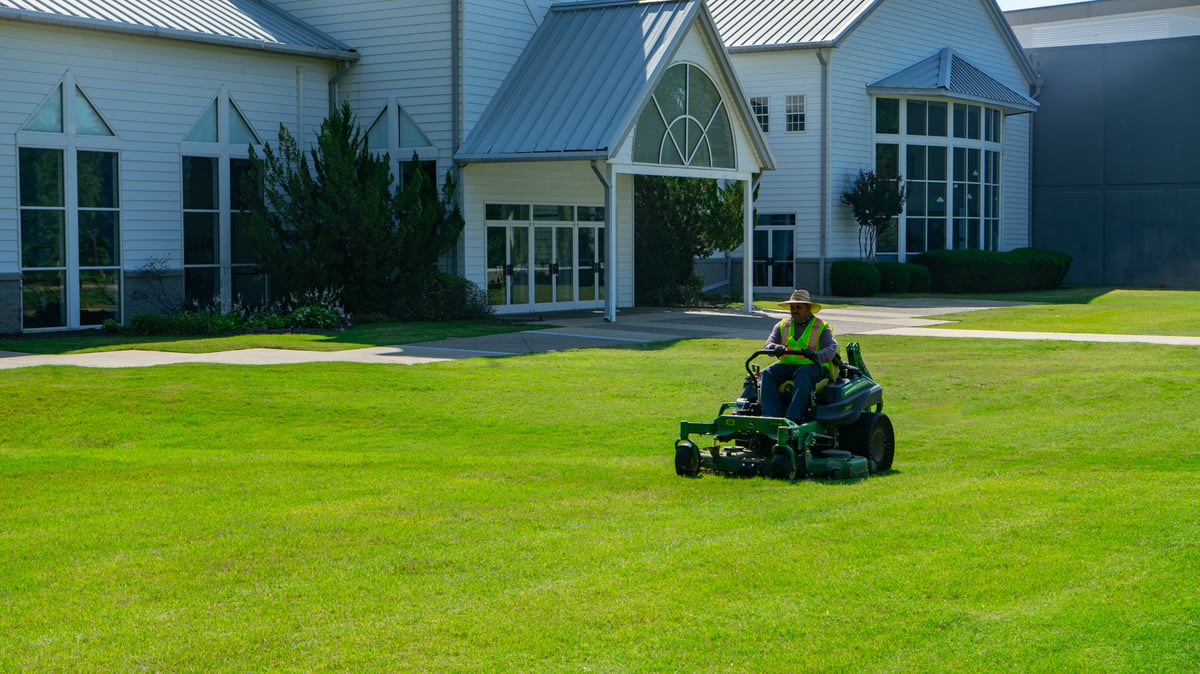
(125, 126)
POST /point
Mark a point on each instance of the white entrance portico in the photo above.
(603, 92)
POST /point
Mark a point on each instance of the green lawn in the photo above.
(1130, 312)
(522, 514)
(372, 334)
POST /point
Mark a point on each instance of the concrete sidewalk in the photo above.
(588, 329)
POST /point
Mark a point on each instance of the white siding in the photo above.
(495, 33)
(795, 185)
(406, 54)
(151, 92)
(1016, 189)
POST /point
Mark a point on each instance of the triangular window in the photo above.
(377, 135)
(87, 121)
(410, 133)
(240, 132)
(205, 130)
(49, 117)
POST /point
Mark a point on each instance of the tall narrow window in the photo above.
(761, 107)
(218, 266)
(70, 219)
(795, 113)
(402, 139)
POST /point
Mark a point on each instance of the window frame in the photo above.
(795, 110)
(70, 142)
(225, 151)
(973, 202)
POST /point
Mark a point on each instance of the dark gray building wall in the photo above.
(1116, 161)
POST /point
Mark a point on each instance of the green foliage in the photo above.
(974, 271)
(330, 218)
(448, 297)
(311, 309)
(920, 280)
(894, 277)
(854, 278)
(876, 201)
(903, 277)
(677, 220)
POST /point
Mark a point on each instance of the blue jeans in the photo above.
(804, 378)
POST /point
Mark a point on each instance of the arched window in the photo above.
(685, 123)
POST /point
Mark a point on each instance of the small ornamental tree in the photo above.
(677, 220)
(876, 202)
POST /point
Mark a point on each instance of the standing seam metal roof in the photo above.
(579, 83)
(751, 24)
(243, 23)
(947, 72)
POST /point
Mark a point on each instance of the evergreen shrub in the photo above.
(894, 277)
(974, 271)
(919, 279)
(853, 278)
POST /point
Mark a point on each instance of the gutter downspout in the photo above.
(343, 68)
(824, 58)
(610, 233)
(460, 255)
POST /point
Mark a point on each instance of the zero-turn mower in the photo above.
(845, 433)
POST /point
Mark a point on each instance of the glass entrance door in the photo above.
(553, 265)
(534, 265)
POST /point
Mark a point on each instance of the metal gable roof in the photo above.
(774, 24)
(582, 79)
(948, 73)
(236, 23)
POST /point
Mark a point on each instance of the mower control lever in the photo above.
(768, 352)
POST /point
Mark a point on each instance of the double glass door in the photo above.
(545, 266)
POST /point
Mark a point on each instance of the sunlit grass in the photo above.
(1129, 312)
(362, 336)
(522, 514)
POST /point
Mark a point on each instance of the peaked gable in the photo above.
(583, 79)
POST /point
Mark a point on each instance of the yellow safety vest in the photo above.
(809, 339)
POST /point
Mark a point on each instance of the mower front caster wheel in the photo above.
(782, 467)
(687, 459)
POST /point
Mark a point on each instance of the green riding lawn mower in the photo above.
(845, 433)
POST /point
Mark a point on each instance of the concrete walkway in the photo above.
(587, 329)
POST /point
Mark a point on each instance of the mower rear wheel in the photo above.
(782, 467)
(687, 459)
(871, 437)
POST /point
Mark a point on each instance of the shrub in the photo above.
(148, 323)
(853, 278)
(967, 271)
(894, 277)
(448, 297)
(919, 279)
(1044, 269)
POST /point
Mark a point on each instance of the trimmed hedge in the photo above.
(974, 271)
(853, 278)
(920, 280)
(903, 277)
(894, 277)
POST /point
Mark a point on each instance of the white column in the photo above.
(610, 249)
(748, 244)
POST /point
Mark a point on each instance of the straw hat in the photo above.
(801, 297)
